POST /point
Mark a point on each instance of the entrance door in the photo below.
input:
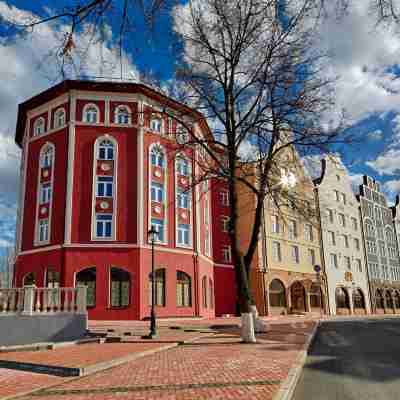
(298, 297)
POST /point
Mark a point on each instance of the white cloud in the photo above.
(26, 70)
(356, 181)
(375, 135)
(386, 163)
(392, 186)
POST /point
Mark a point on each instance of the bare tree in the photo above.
(249, 67)
(7, 260)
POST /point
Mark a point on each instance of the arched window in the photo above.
(122, 115)
(52, 278)
(183, 290)
(204, 291)
(397, 299)
(358, 299)
(46, 159)
(182, 135)
(277, 294)
(342, 298)
(315, 296)
(120, 287)
(159, 287)
(91, 114)
(87, 277)
(157, 157)
(59, 118)
(39, 126)
(106, 150)
(211, 292)
(156, 124)
(29, 279)
(389, 299)
(379, 299)
(182, 166)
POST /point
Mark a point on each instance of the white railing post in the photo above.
(81, 299)
(29, 297)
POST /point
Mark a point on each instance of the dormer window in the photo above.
(106, 150)
(39, 126)
(91, 114)
(182, 166)
(122, 115)
(155, 125)
(59, 118)
(182, 135)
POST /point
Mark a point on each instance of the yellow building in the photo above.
(283, 277)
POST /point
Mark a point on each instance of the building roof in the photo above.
(120, 87)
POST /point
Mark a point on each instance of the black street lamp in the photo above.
(152, 234)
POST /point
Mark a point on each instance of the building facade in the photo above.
(101, 164)
(341, 240)
(381, 248)
(283, 274)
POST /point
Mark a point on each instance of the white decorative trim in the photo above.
(54, 103)
(36, 241)
(41, 249)
(140, 192)
(70, 171)
(48, 120)
(230, 266)
(165, 186)
(114, 120)
(83, 119)
(115, 188)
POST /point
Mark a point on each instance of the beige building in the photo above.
(283, 277)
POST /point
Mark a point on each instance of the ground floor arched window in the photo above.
(120, 287)
(342, 298)
(358, 299)
(29, 279)
(379, 299)
(397, 299)
(389, 299)
(315, 296)
(159, 287)
(87, 277)
(183, 290)
(52, 278)
(277, 294)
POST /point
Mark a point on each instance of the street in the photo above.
(349, 360)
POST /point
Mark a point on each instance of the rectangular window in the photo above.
(158, 225)
(345, 241)
(354, 222)
(295, 254)
(333, 260)
(343, 198)
(226, 254)
(337, 197)
(347, 262)
(104, 225)
(342, 220)
(224, 196)
(292, 230)
(311, 256)
(104, 186)
(308, 232)
(183, 199)
(330, 216)
(332, 239)
(358, 265)
(225, 223)
(357, 243)
(45, 193)
(43, 230)
(275, 224)
(157, 192)
(184, 234)
(276, 251)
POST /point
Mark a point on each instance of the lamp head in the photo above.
(152, 234)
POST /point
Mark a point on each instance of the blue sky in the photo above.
(365, 58)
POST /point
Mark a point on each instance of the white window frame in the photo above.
(39, 126)
(43, 234)
(276, 251)
(227, 254)
(59, 114)
(184, 232)
(292, 229)
(224, 197)
(106, 184)
(159, 225)
(156, 122)
(85, 113)
(45, 193)
(333, 260)
(275, 227)
(156, 191)
(295, 254)
(308, 232)
(104, 224)
(125, 111)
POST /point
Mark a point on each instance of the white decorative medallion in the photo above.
(157, 209)
(184, 215)
(105, 167)
(45, 173)
(104, 205)
(157, 173)
(43, 210)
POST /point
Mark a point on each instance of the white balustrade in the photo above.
(31, 300)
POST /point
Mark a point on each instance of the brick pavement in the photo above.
(213, 367)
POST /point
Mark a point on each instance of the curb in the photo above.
(286, 390)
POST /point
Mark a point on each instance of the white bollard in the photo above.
(247, 330)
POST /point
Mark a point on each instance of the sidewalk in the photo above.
(210, 365)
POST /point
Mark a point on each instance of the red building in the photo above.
(101, 164)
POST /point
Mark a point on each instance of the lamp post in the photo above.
(152, 234)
